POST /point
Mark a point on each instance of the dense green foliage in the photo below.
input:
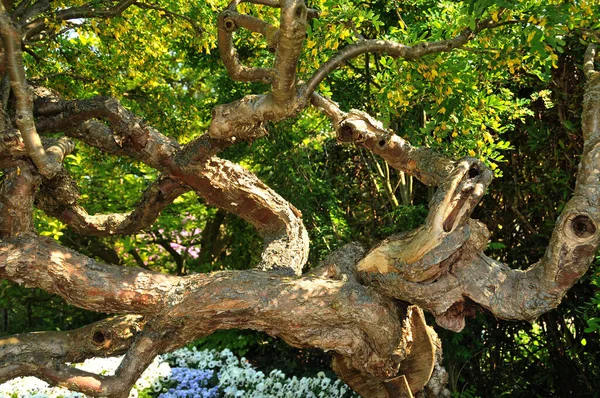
(512, 97)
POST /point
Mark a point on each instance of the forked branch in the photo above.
(220, 183)
(59, 199)
(442, 264)
(245, 118)
(327, 309)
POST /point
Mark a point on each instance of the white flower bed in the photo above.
(189, 373)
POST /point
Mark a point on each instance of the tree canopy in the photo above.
(195, 167)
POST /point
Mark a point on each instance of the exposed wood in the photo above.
(398, 387)
(417, 367)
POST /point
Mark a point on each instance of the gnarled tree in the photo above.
(364, 307)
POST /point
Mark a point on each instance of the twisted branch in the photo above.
(327, 309)
(442, 263)
(228, 22)
(48, 162)
(221, 183)
(60, 201)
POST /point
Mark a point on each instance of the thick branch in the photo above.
(76, 118)
(328, 309)
(417, 255)
(228, 22)
(129, 135)
(42, 262)
(232, 188)
(244, 118)
(112, 336)
(292, 31)
(59, 199)
(49, 163)
(422, 254)
(143, 350)
(575, 239)
(360, 128)
(17, 191)
(221, 183)
(464, 272)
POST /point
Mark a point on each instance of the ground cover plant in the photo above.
(189, 373)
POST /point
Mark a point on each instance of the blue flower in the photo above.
(191, 383)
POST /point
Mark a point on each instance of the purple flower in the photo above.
(194, 252)
(177, 247)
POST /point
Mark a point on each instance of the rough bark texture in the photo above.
(354, 305)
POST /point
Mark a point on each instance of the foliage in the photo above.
(591, 309)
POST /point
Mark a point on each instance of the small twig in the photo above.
(59, 74)
(479, 50)
(393, 49)
(197, 27)
(352, 27)
(33, 55)
(89, 10)
(165, 244)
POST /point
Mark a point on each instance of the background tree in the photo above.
(462, 78)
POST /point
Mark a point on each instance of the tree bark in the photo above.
(364, 308)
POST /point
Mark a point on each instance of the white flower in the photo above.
(237, 378)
